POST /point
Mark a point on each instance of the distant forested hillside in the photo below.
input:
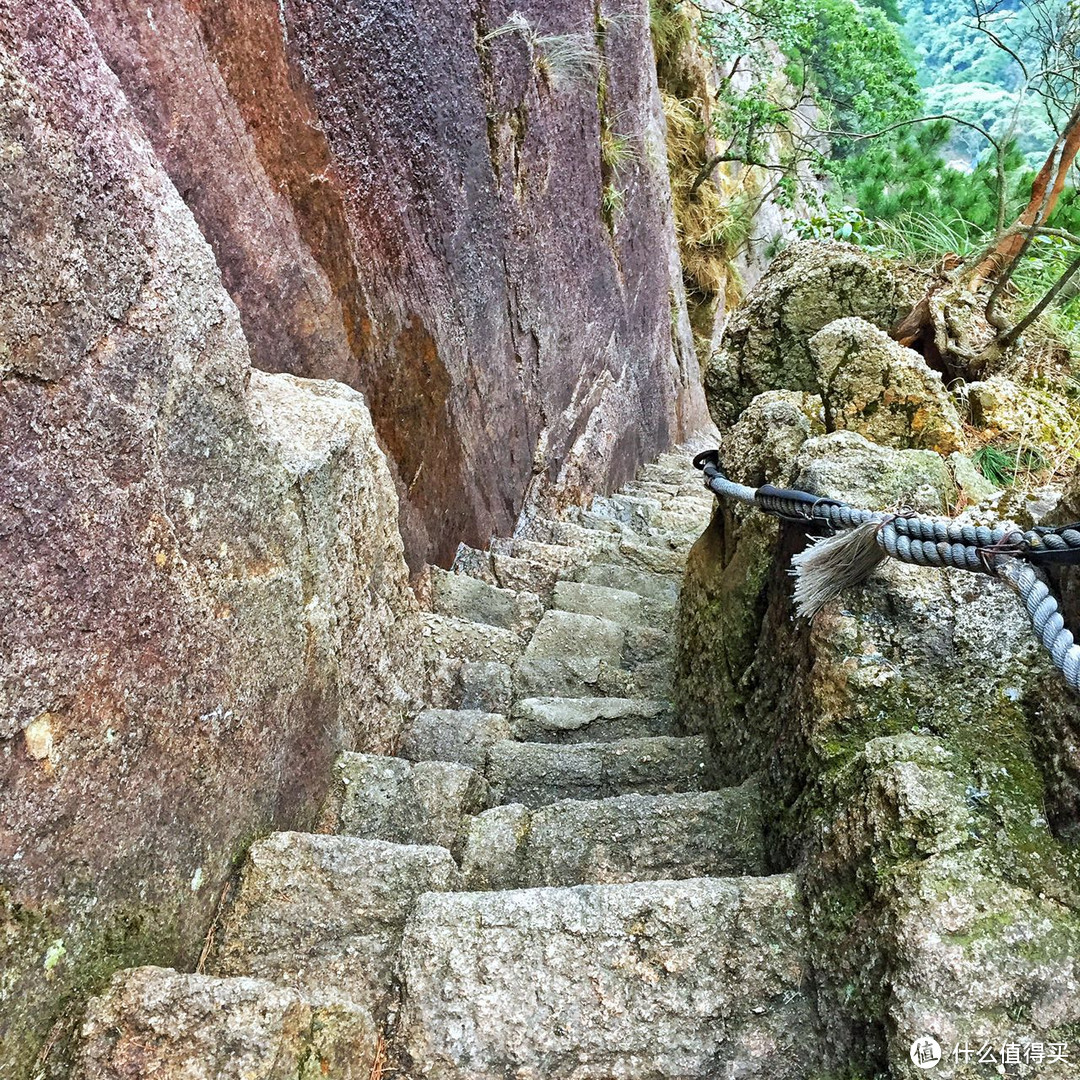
(963, 72)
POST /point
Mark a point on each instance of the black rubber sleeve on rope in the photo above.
(1060, 553)
(773, 499)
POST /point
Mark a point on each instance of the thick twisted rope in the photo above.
(866, 536)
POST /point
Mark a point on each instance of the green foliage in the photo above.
(838, 223)
(612, 204)
(859, 64)
(616, 151)
(562, 59)
(891, 176)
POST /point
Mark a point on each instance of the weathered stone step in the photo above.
(590, 719)
(155, 1022)
(636, 511)
(465, 736)
(324, 914)
(681, 459)
(695, 980)
(571, 561)
(469, 598)
(693, 493)
(540, 773)
(674, 513)
(485, 685)
(562, 634)
(656, 473)
(614, 536)
(388, 798)
(565, 560)
(623, 606)
(627, 549)
(681, 520)
(584, 676)
(449, 636)
(650, 586)
(606, 841)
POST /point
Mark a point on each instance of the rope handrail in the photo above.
(861, 538)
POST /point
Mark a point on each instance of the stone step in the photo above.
(540, 773)
(388, 798)
(156, 1022)
(678, 459)
(623, 606)
(563, 559)
(602, 536)
(474, 562)
(483, 685)
(325, 914)
(693, 493)
(636, 511)
(650, 586)
(448, 636)
(655, 473)
(584, 676)
(466, 597)
(571, 560)
(530, 575)
(682, 520)
(465, 736)
(606, 841)
(590, 719)
(563, 634)
(691, 980)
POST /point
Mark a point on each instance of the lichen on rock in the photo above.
(880, 389)
(766, 345)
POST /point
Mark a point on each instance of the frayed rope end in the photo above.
(832, 564)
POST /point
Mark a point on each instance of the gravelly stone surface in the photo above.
(326, 913)
(538, 773)
(155, 1022)
(689, 979)
(621, 839)
(587, 719)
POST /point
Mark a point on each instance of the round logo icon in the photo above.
(925, 1052)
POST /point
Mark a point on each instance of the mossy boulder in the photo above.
(876, 387)
(766, 345)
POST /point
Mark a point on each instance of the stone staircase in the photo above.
(544, 882)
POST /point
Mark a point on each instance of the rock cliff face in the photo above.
(462, 212)
(917, 747)
(415, 200)
(203, 595)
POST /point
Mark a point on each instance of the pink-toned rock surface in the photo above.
(400, 204)
(203, 594)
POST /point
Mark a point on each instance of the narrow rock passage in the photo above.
(545, 882)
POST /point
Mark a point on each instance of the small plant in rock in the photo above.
(560, 59)
(616, 151)
(612, 204)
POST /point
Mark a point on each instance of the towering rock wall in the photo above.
(423, 201)
(203, 594)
